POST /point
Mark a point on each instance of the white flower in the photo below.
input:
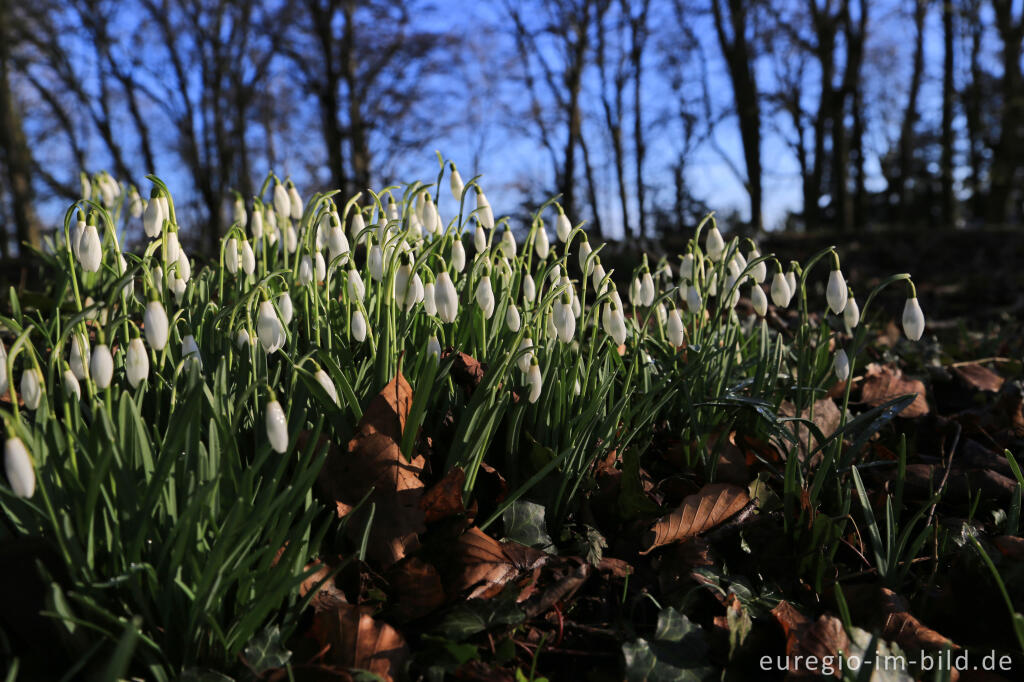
(90, 250)
(525, 359)
(674, 328)
(835, 292)
(617, 326)
(484, 213)
(715, 245)
(759, 300)
(563, 228)
(155, 325)
(841, 365)
(136, 362)
(356, 288)
(231, 255)
(635, 295)
(456, 184)
(178, 287)
(277, 426)
(458, 255)
(83, 179)
(240, 216)
(598, 275)
(101, 366)
(306, 271)
(190, 350)
(32, 387)
(485, 296)
(851, 314)
(647, 289)
(76, 239)
(3, 370)
(284, 304)
(184, 267)
(760, 271)
(337, 242)
(429, 305)
(913, 319)
(242, 340)
(479, 238)
(295, 202)
(18, 465)
(563, 319)
(319, 267)
(508, 243)
(791, 281)
(71, 386)
(79, 354)
(257, 223)
(356, 227)
(686, 268)
(780, 290)
(433, 347)
(693, 299)
(375, 262)
(248, 258)
(153, 218)
(512, 319)
(173, 247)
(324, 380)
(446, 298)
(269, 328)
(534, 380)
(541, 243)
(282, 202)
(431, 218)
(529, 288)
(291, 239)
(359, 326)
(584, 254)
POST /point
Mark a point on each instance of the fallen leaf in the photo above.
(484, 565)
(467, 372)
(354, 639)
(732, 463)
(978, 377)
(416, 588)
(373, 459)
(821, 638)
(882, 383)
(1010, 546)
(327, 596)
(710, 506)
(824, 414)
(444, 498)
(789, 618)
(906, 630)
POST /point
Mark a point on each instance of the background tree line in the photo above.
(842, 114)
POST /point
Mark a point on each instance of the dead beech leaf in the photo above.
(705, 509)
(467, 371)
(789, 619)
(373, 459)
(816, 641)
(444, 498)
(732, 463)
(484, 565)
(978, 377)
(882, 383)
(327, 596)
(416, 588)
(824, 414)
(355, 639)
(906, 630)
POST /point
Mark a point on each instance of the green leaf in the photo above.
(524, 523)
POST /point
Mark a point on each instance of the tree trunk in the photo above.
(948, 94)
(638, 38)
(906, 145)
(1007, 153)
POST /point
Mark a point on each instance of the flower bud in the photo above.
(3, 370)
(529, 288)
(90, 250)
(715, 245)
(433, 347)
(534, 380)
(541, 243)
(585, 251)
(563, 228)
(284, 304)
(242, 339)
(564, 319)
(31, 388)
(325, 382)
(780, 290)
(512, 318)
(231, 255)
(674, 328)
(647, 289)
(153, 218)
(172, 247)
(456, 184)
(319, 267)
(190, 350)
(759, 300)
(79, 354)
(277, 426)
(479, 238)
(359, 326)
(101, 366)
(446, 298)
(337, 242)
(458, 255)
(841, 365)
(693, 299)
(240, 216)
(248, 258)
(269, 328)
(851, 314)
(282, 202)
(136, 362)
(291, 239)
(485, 296)
(356, 227)
(356, 288)
(835, 292)
(508, 243)
(69, 382)
(306, 271)
(913, 319)
(295, 202)
(21, 475)
(483, 210)
(257, 224)
(375, 262)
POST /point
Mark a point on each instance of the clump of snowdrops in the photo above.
(164, 415)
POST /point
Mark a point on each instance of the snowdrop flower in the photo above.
(153, 217)
(359, 326)
(446, 298)
(835, 292)
(841, 365)
(479, 238)
(760, 271)
(686, 268)
(662, 313)
(356, 226)
(76, 238)
(282, 202)
(563, 228)
(190, 350)
(78, 361)
(277, 425)
(635, 296)
(242, 339)
(512, 318)
(529, 288)
(284, 304)
(172, 247)
(291, 239)
(21, 474)
(433, 347)
(413, 293)
(90, 250)
(248, 258)
(257, 223)
(325, 382)
(458, 255)
(541, 243)
(231, 255)
(759, 300)
(598, 275)
(101, 366)
(32, 387)
(294, 201)
(375, 262)
(715, 245)
(429, 304)
(3, 369)
(913, 319)
(269, 328)
(584, 254)
(851, 313)
(693, 299)
(647, 289)
(534, 380)
(456, 184)
(240, 216)
(615, 324)
(563, 319)
(508, 243)
(483, 210)
(674, 328)
(86, 185)
(184, 267)
(525, 359)
(355, 286)
(791, 281)
(69, 382)
(306, 271)
(781, 293)
(485, 296)
(337, 242)
(319, 267)
(136, 362)
(154, 323)
(431, 218)
(178, 288)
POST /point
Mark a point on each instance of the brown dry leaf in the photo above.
(444, 498)
(708, 507)
(485, 565)
(467, 371)
(354, 639)
(901, 627)
(826, 416)
(416, 588)
(732, 463)
(1010, 546)
(882, 383)
(789, 619)
(374, 459)
(978, 377)
(823, 638)
(327, 596)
